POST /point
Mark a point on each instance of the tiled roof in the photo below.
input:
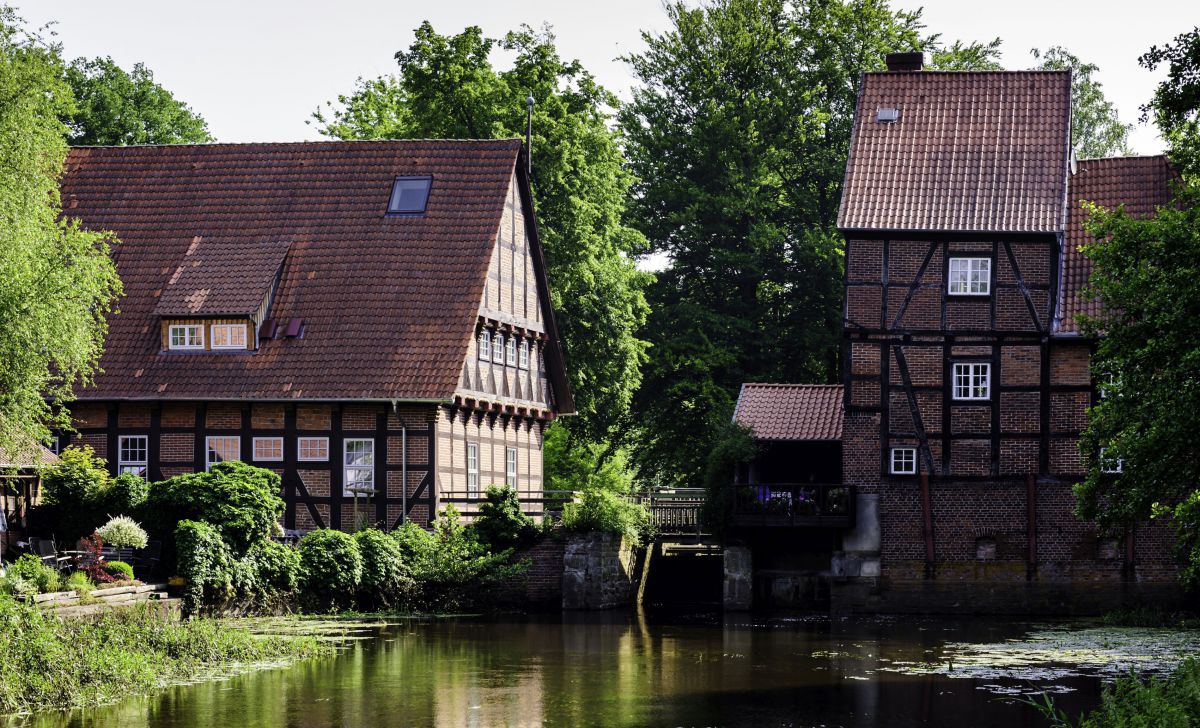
(791, 411)
(1138, 183)
(26, 454)
(971, 152)
(228, 276)
(389, 304)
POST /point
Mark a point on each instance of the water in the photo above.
(618, 669)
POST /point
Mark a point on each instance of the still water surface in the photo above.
(634, 670)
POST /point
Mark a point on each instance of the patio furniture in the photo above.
(44, 549)
(145, 561)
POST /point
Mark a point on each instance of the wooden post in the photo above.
(927, 512)
(1031, 527)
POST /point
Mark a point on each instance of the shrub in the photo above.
(127, 493)
(92, 560)
(241, 501)
(277, 568)
(72, 493)
(29, 575)
(600, 510)
(1170, 702)
(501, 524)
(119, 569)
(330, 567)
(123, 532)
(203, 559)
(385, 578)
(78, 581)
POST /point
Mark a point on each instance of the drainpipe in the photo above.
(927, 512)
(403, 465)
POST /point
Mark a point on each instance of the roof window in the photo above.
(409, 195)
(887, 115)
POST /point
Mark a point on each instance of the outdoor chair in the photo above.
(144, 561)
(44, 549)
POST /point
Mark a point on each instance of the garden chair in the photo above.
(44, 549)
(144, 561)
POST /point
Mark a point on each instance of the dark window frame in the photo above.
(427, 178)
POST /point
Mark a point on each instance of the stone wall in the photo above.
(599, 572)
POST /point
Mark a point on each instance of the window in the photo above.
(409, 195)
(359, 459)
(970, 276)
(221, 449)
(485, 345)
(985, 548)
(229, 336)
(54, 445)
(510, 467)
(472, 469)
(972, 381)
(132, 454)
(904, 461)
(1109, 465)
(186, 336)
(312, 449)
(498, 349)
(268, 448)
(510, 351)
(524, 354)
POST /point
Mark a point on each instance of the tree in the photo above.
(1096, 129)
(57, 282)
(738, 136)
(114, 107)
(447, 87)
(1176, 102)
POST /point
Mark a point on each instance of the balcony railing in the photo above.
(829, 505)
(544, 503)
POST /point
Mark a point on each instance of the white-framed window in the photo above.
(229, 336)
(268, 448)
(54, 445)
(133, 454)
(972, 381)
(472, 468)
(220, 449)
(485, 345)
(312, 449)
(186, 336)
(970, 276)
(524, 360)
(510, 351)
(904, 461)
(498, 348)
(510, 467)
(1110, 465)
(358, 457)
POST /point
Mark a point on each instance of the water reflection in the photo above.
(608, 670)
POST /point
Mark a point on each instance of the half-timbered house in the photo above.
(371, 320)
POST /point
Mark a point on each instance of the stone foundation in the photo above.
(599, 572)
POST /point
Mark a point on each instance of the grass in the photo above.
(1134, 702)
(1150, 617)
(50, 662)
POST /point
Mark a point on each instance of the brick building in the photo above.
(371, 320)
(967, 377)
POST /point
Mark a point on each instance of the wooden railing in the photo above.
(547, 503)
(675, 512)
(793, 504)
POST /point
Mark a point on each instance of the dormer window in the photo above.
(409, 195)
(229, 336)
(498, 349)
(187, 336)
(524, 355)
(970, 276)
(510, 351)
(485, 345)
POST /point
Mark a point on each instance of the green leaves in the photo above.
(1096, 131)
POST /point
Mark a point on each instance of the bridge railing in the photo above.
(675, 511)
(793, 504)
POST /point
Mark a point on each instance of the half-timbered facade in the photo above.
(967, 380)
(371, 320)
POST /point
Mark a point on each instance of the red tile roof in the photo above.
(791, 411)
(1140, 184)
(971, 152)
(228, 276)
(389, 304)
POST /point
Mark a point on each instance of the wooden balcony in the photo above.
(793, 505)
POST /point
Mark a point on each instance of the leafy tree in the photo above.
(738, 136)
(448, 88)
(241, 501)
(115, 107)
(1096, 130)
(57, 282)
(501, 524)
(1176, 102)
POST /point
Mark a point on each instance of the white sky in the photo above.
(256, 69)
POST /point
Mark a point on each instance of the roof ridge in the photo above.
(1123, 156)
(786, 384)
(321, 142)
(947, 72)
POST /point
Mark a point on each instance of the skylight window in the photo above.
(409, 195)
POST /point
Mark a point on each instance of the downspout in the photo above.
(403, 465)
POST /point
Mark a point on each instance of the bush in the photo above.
(204, 560)
(385, 579)
(119, 569)
(28, 575)
(123, 532)
(241, 501)
(331, 567)
(501, 524)
(78, 581)
(1171, 702)
(600, 510)
(72, 495)
(127, 493)
(277, 568)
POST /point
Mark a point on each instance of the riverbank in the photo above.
(67, 663)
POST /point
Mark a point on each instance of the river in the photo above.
(690, 669)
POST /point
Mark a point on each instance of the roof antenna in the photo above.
(529, 136)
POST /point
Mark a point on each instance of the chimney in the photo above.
(913, 61)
